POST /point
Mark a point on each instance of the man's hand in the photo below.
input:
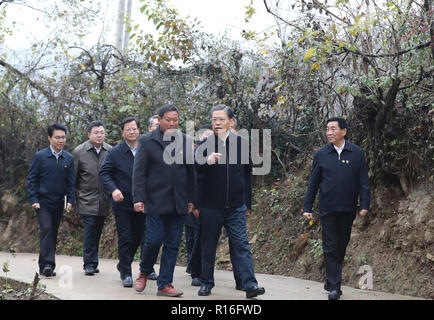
(190, 207)
(196, 212)
(248, 211)
(117, 195)
(363, 212)
(308, 215)
(68, 207)
(213, 158)
(139, 207)
(36, 205)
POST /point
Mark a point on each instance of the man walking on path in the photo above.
(50, 179)
(339, 170)
(225, 200)
(92, 203)
(116, 175)
(165, 191)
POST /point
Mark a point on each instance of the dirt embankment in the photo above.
(394, 243)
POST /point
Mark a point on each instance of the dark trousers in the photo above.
(92, 233)
(336, 233)
(234, 220)
(130, 226)
(163, 230)
(192, 243)
(49, 221)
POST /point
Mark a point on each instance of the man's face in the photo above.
(97, 136)
(57, 140)
(130, 132)
(154, 126)
(169, 121)
(220, 122)
(335, 135)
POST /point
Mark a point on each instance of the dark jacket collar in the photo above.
(348, 146)
(123, 146)
(50, 153)
(158, 135)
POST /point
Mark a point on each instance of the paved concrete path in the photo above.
(70, 283)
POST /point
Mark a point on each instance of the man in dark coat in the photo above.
(116, 175)
(50, 179)
(164, 189)
(93, 204)
(339, 170)
(225, 169)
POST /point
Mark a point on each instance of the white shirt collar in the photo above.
(339, 150)
(57, 155)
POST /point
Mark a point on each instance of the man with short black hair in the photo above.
(92, 203)
(339, 170)
(50, 179)
(168, 191)
(116, 176)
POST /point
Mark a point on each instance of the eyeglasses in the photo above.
(98, 132)
(218, 120)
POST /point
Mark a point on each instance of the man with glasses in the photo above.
(92, 203)
(225, 170)
(50, 179)
(116, 175)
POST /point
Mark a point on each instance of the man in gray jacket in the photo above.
(92, 202)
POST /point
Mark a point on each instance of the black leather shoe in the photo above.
(195, 282)
(127, 282)
(152, 276)
(89, 271)
(204, 291)
(48, 272)
(255, 291)
(335, 294)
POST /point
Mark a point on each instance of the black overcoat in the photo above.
(164, 187)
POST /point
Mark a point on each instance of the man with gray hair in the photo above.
(153, 123)
(225, 200)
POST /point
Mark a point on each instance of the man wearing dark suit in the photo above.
(116, 175)
(226, 176)
(49, 180)
(166, 187)
(339, 170)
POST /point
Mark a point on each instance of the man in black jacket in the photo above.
(116, 176)
(49, 180)
(225, 167)
(339, 170)
(167, 187)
